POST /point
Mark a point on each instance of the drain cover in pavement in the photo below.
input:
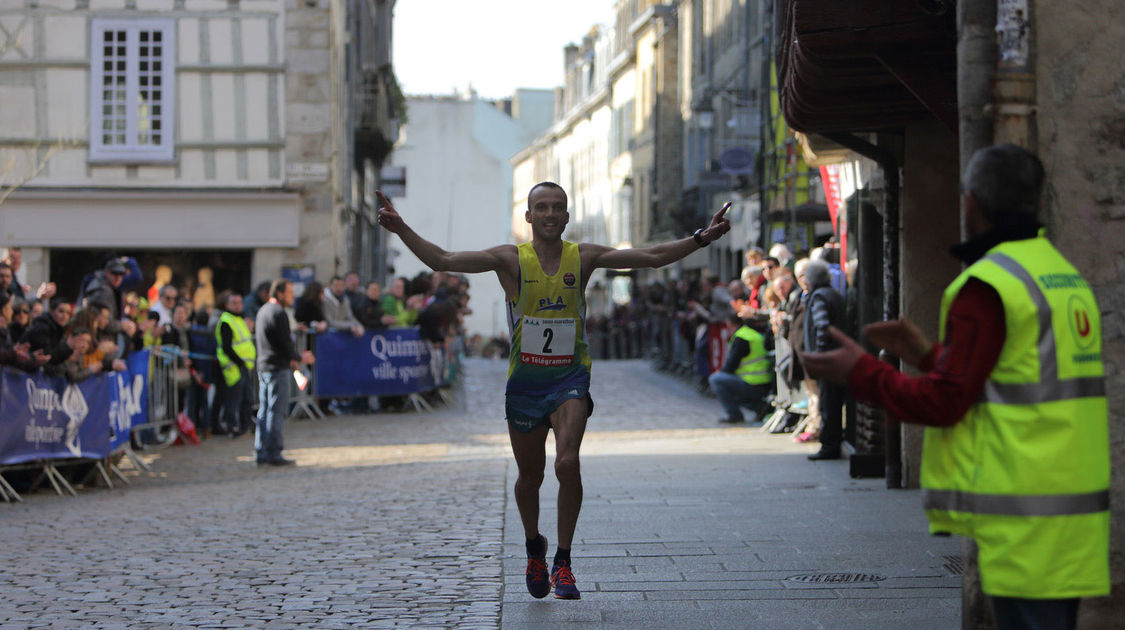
(836, 578)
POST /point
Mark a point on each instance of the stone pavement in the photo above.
(403, 520)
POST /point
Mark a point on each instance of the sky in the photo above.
(495, 45)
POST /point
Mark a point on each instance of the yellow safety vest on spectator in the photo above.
(754, 367)
(1026, 472)
(243, 343)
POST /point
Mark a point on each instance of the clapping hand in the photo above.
(41, 358)
(901, 338)
(46, 291)
(22, 351)
(833, 365)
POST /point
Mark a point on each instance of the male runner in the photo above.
(549, 375)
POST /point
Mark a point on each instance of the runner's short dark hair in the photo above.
(544, 184)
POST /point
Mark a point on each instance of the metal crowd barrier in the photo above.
(302, 398)
(161, 429)
(615, 340)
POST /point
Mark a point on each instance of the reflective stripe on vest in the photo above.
(1050, 387)
(1026, 472)
(1016, 505)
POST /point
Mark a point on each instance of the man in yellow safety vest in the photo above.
(1016, 452)
(744, 380)
(236, 354)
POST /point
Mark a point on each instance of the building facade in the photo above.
(455, 152)
(694, 123)
(575, 152)
(197, 134)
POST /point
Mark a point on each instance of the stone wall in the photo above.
(930, 222)
(1081, 139)
(309, 150)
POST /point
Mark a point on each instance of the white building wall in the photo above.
(460, 189)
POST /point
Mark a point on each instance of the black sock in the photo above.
(536, 547)
(562, 556)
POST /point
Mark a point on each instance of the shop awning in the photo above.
(864, 65)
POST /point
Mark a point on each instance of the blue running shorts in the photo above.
(527, 412)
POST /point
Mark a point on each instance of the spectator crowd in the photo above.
(115, 312)
(780, 305)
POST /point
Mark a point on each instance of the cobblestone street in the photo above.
(403, 520)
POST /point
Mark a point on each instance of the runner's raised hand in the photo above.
(388, 217)
(719, 225)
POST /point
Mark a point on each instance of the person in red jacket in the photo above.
(1002, 187)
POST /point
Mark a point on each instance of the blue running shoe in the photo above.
(563, 581)
(538, 580)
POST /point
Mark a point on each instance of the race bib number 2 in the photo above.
(547, 342)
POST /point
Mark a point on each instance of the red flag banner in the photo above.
(833, 195)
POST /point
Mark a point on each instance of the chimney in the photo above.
(570, 55)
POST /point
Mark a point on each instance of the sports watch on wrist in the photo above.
(698, 236)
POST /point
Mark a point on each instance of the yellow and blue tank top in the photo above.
(547, 326)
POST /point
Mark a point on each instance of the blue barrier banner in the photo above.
(128, 403)
(48, 418)
(385, 363)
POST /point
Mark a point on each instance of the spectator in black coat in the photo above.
(824, 307)
(47, 331)
(309, 311)
(370, 312)
(255, 299)
(20, 318)
(352, 293)
(105, 288)
(11, 353)
(436, 320)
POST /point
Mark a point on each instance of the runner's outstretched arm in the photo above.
(433, 256)
(662, 254)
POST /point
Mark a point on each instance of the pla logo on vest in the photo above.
(568, 279)
(1078, 313)
(546, 304)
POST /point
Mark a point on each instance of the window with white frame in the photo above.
(131, 91)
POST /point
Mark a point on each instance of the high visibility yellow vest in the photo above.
(754, 367)
(243, 343)
(1026, 472)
